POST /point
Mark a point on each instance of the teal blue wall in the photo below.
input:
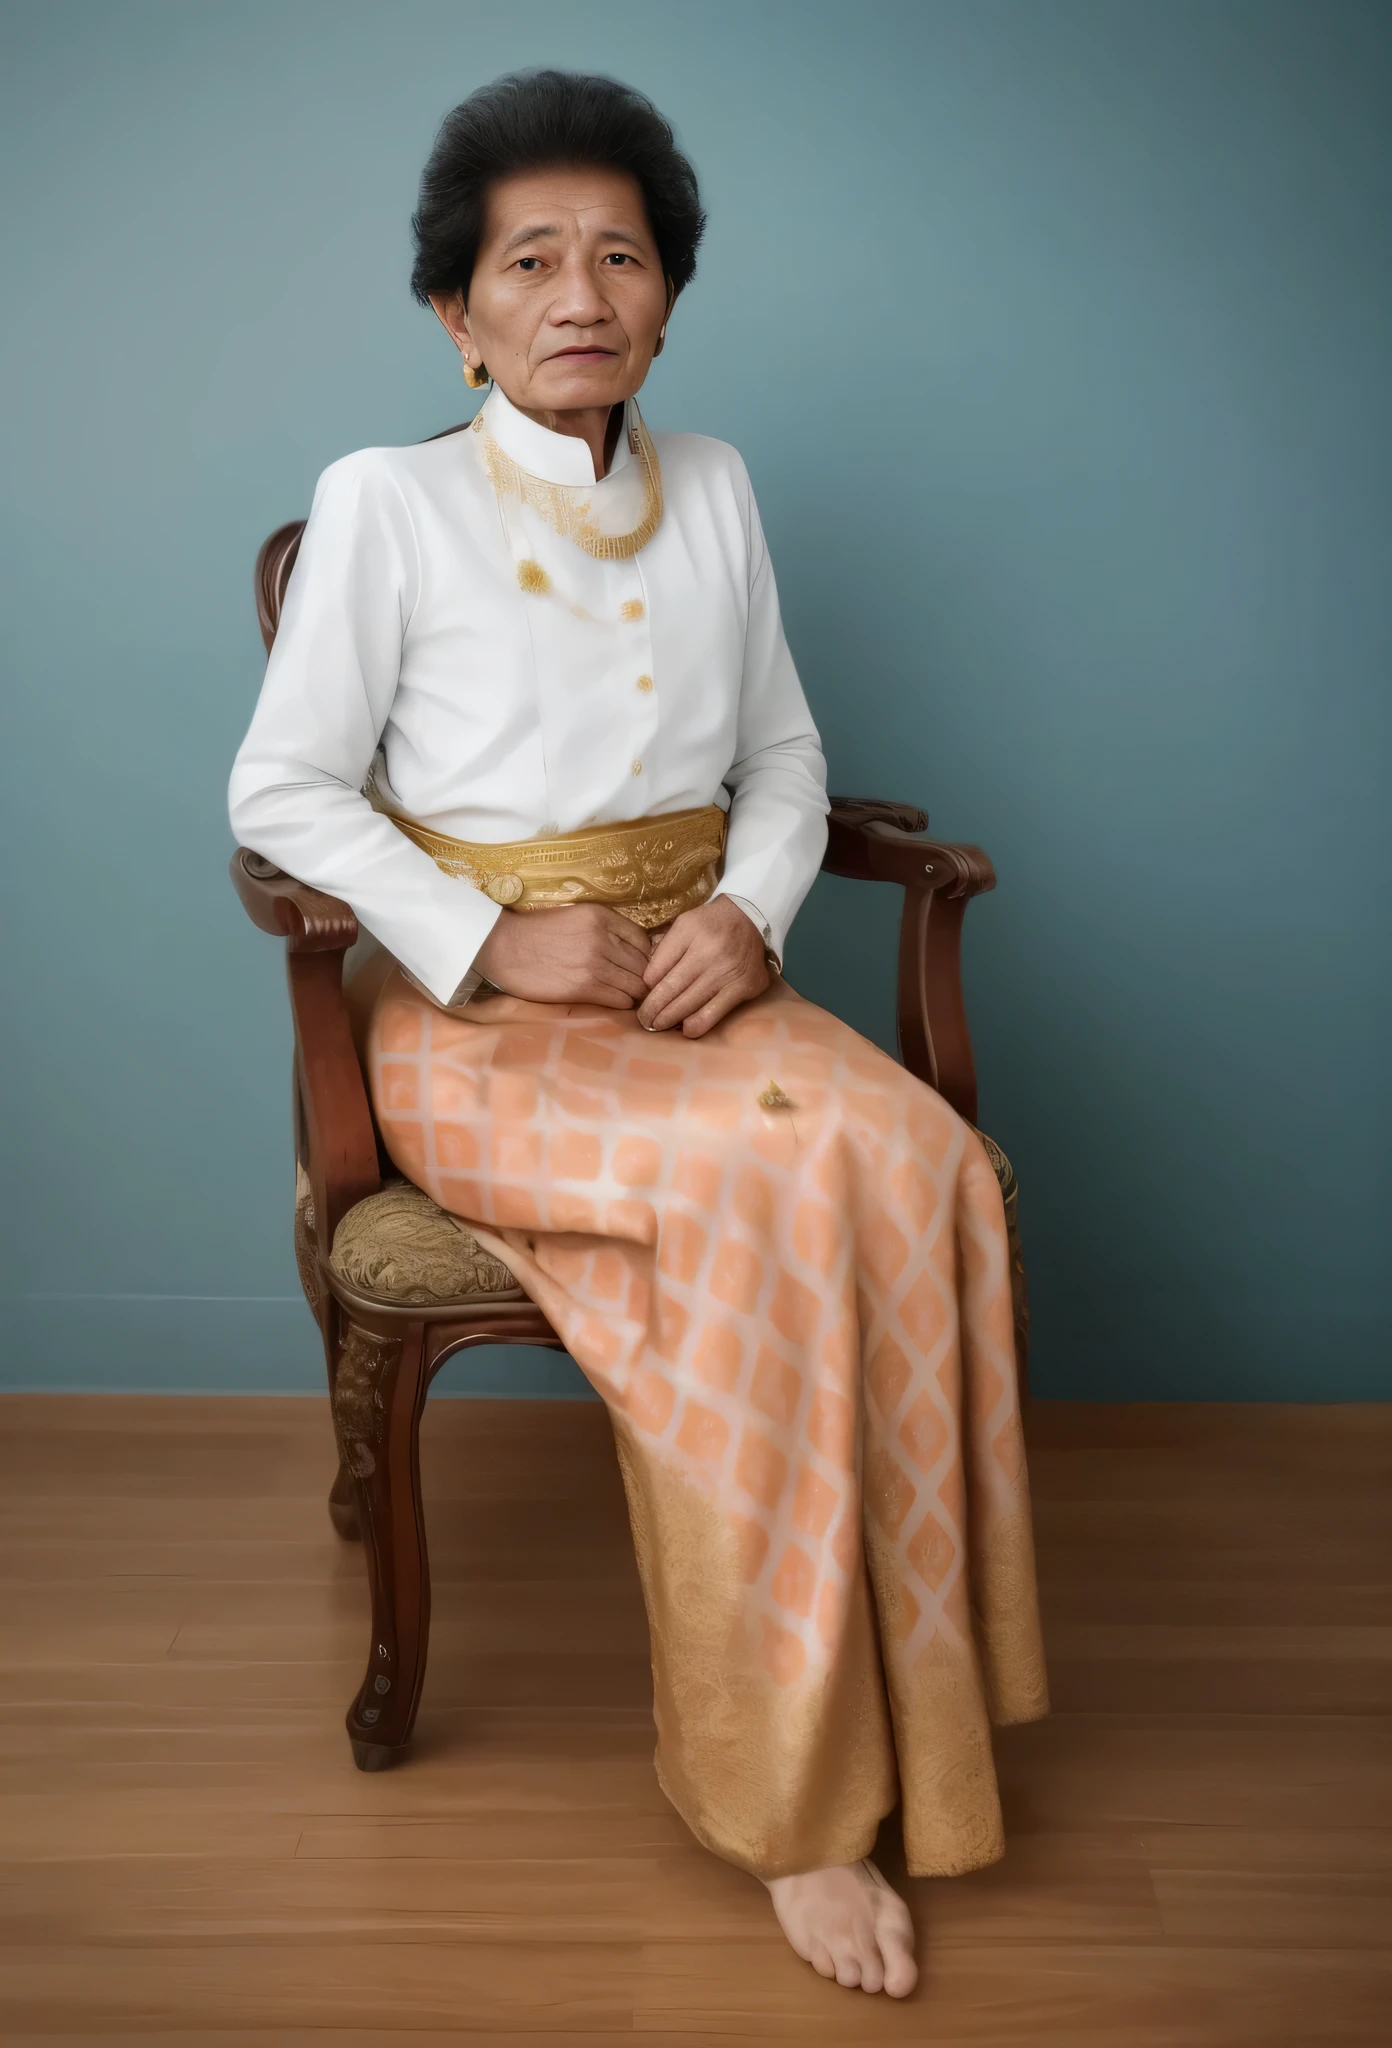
(1057, 338)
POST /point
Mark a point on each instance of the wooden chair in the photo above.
(397, 1287)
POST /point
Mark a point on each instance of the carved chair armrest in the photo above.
(871, 840)
(275, 902)
(332, 1108)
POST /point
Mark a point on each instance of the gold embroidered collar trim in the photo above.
(568, 509)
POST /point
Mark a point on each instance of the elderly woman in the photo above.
(531, 712)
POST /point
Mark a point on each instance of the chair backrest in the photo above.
(277, 559)
(273, 566)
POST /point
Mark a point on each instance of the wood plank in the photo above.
(1190, 1536)
(473, 1683)
(1221, 1685)
(412, 2037)
(96, 1519)
(1262, 1643)
(1064, 1995)
(1275, 1909)
(1101, 1771)
(221, 1416)
(250, 1465)
(1064, 1886)
(576, 1833)
(167, 1901)
(1310, 1429)
(470, 1987)
(495, 1614)
(1229, 1604)
(326, 1783)
(1301, 1851)
(89, 1625)
(169, 1682)
(367, 2037)
(152, 1415)
(1151, 1478)
(37, 1827)
(303, 1764)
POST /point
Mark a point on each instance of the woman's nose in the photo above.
(579, 302)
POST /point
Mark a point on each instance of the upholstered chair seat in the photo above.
(399, 1246)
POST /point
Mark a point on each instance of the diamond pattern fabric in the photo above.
(800, 1318)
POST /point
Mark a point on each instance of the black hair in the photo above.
(527, 121)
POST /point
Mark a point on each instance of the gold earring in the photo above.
(661, 339)
(475, 379)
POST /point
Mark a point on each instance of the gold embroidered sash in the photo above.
(650, 869)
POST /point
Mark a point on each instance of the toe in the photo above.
(894, 1932)
(847, 1964)
(872, 1976)
(820, 1959)
(900, 1971)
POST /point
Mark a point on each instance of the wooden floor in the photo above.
(1200, 1837)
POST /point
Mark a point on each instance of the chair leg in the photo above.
(343, 1506)
(343, 1512)
(343, 1494)
(379, 1391)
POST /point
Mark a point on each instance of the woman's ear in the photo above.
(662, 331)
(450, 313)
(448, 309)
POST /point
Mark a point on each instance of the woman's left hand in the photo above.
(706, 964)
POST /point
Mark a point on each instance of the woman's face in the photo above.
(568, 298)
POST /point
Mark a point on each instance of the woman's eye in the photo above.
(618, 257)
(529, 263)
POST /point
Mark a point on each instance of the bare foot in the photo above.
(849, 1925)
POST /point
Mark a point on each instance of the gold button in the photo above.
(645, 682)
(631, 610)
(637, 767)
(505, 889)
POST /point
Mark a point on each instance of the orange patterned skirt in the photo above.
(782, 1262)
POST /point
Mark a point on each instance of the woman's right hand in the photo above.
(582, 953)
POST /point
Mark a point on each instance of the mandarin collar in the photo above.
(554, 458)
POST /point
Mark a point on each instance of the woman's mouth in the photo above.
(584, 355)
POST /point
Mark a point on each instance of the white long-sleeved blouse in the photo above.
(443, 632)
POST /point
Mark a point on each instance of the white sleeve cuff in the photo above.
(468, 988)
(472, 985)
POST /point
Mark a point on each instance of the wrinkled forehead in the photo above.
(564, 203)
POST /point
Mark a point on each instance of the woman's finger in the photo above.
(688, 1000)
(658, 1001)
(604, 995)
(614, 974)
(695, 981)
(700, 1021)
(600, 930)
(627, 950)
(670, 948)
(688, 969)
